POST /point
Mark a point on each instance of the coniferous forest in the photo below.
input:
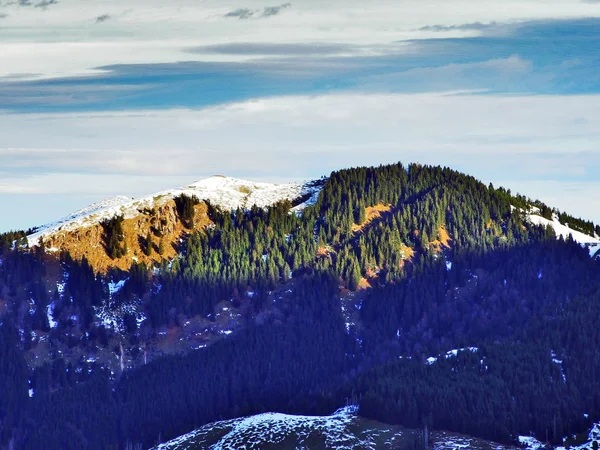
(434, 261)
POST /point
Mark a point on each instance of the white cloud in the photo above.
(66, 38)
(516, 140)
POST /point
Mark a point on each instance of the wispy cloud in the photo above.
(241, 13)
(42, 4)
(103, 18)
(45, 3)
(268, 11)
(274, 10)
(268, 49)
(474, 26)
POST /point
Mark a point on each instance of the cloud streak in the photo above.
(274, 10)
(241, 13)
(246, 13)
(103, 18)
(42, 4)
(474, 26)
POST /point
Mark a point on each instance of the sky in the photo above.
(129, 97)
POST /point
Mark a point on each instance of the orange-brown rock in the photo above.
(162, 222)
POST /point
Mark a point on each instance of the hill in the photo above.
(342, 430)
(295, 298)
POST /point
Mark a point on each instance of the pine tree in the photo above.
(148, 246)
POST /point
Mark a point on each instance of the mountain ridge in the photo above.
(226, 192)
(260, 309)
(69, 233)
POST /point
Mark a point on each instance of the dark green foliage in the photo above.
(287, 367)
(114, 236)
(585, 226)
(7, 239)
(13, 382)
(255, 250)
(83, 289)
(185, 208)
(148, 245)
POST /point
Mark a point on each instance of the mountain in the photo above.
(419, 294)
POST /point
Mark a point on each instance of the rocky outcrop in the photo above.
(162, 223)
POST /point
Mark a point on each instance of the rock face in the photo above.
(162, 223)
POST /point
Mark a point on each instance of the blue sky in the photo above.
(130, 97)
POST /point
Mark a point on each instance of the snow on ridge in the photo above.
(87, 216)
(272, 428)
(226, 192)
(231, 193)
(591, 243)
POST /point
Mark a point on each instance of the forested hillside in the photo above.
(357, 298)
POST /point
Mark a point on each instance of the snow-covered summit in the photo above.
(226, 192)
(231, 193)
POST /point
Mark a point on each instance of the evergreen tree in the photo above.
(148, 246)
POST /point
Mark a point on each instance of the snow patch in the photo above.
(49, 315)
(113, 288)
(555, 360)
(112, 316)
(449, 354)
(591, 243)
(530, 443)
